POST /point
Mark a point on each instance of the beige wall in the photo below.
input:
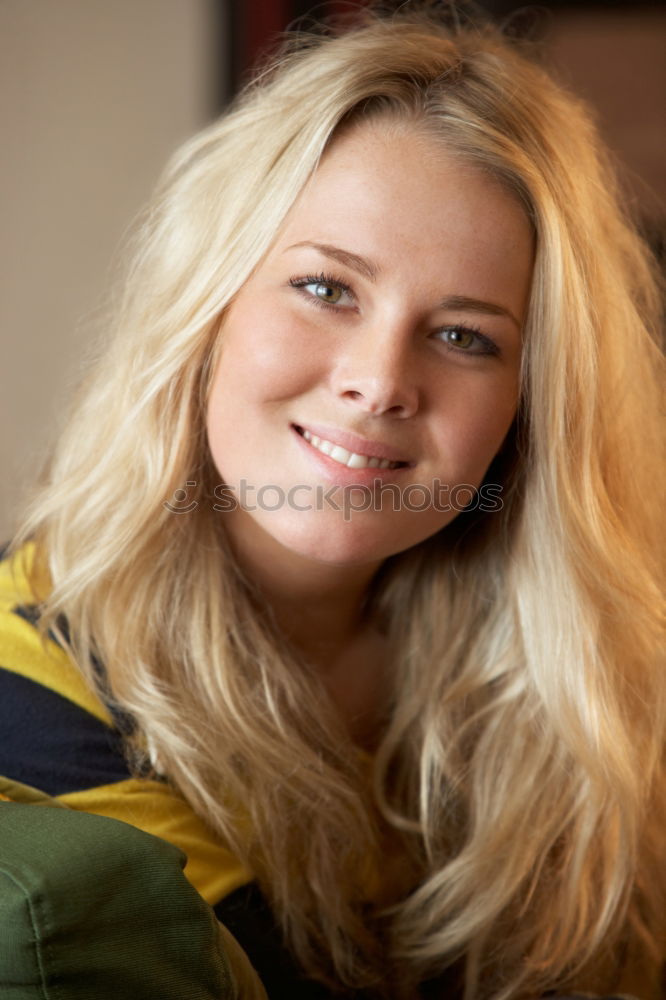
(94, 95)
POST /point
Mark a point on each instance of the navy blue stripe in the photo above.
(52, 744)
(247, 915)
(123, 721)
(29, 613)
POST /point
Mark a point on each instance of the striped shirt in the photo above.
(59, 742)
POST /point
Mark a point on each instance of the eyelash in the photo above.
(488, 346)
(321, 279)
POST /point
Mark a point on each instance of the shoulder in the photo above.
(56, 734)
(24, 652)
(59, 744)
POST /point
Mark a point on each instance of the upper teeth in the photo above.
(348, 458)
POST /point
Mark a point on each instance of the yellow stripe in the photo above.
(14, 578)
(149, 805)
(154, 807)
(24, 652)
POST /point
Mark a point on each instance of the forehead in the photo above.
(425, 216)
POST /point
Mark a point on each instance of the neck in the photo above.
(318, 606)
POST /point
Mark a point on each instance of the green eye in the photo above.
(324, 290)
(329, 293)
(459, 338)
(466, 340)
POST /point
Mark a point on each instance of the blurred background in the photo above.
(95, 95)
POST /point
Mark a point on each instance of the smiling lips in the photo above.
(350, 459)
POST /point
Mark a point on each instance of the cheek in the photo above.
(263, 363)
(267, 354)
(474, 432)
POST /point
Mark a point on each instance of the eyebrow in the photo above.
(464, 303)
(357, 263)
(461, 303)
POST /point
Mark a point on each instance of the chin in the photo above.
(338, 546)
(358, 541)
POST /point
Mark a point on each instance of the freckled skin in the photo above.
(377, 364)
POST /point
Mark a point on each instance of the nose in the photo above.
(377, 374)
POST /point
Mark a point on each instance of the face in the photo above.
(371, 362)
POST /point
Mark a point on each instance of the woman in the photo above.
(353, 532)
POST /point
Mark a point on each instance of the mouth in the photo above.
(350, 459)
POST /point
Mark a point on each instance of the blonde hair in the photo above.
(520, 777)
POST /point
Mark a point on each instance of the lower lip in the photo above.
(340, 475)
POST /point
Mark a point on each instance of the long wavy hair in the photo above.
(517, 794)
